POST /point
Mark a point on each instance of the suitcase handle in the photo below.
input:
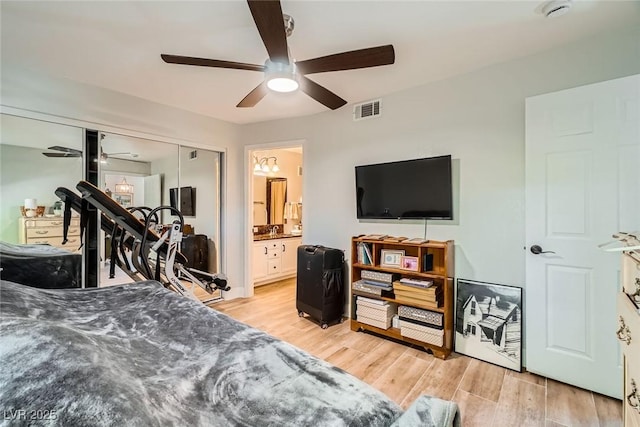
(311, 249)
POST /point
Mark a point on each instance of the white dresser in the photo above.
(49, 231)
(629, 335)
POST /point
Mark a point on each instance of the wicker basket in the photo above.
(39, 211)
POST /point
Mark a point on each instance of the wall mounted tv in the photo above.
(419, 189)
(187, 205)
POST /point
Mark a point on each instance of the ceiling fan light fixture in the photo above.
(282, 84)
(281, 77)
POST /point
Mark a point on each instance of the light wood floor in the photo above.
(488, 395)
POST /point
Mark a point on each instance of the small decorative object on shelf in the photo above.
(403, 289)
(391, 258)
(57, 208)
(410, 263)
(30, 208)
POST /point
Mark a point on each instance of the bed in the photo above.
(141, 355)
(42, 266)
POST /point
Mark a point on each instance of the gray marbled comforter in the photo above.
(41, 266)
(140, 355)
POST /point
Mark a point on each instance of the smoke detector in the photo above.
(556, 8)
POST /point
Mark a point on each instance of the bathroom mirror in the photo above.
(276, 198)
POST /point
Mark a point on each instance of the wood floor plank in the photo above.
(475, 411)
(398, 380)
(609, 410)
(520, 404)
(570, 405)
(483, 380)
(528, 377)
(344, 357)
(551, 423)
(373, 364)
(441, 379)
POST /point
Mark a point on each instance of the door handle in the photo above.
(537, 250)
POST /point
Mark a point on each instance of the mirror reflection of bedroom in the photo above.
(132, 171)
(146, 173)
(35, 158)
(277, 213)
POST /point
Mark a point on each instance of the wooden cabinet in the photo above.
(274, 259)
(435, 262)
(290, 255)
(629, 335)
(49, 231)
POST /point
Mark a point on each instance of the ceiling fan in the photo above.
(281, 73)
(72, 152)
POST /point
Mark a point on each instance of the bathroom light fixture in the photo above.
(261, 166)
(124, 187)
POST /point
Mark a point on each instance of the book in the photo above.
(416, 241)
(372, 301)
(417, 296)
(416, 282)
(409, 288)
(375, 236)
(367, 252)
(416, 302)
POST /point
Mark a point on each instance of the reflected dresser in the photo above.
(49, 231)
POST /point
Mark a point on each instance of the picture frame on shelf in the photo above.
(488, 322)
(391, 258)
(410, 263)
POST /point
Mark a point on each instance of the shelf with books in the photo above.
(423, 289)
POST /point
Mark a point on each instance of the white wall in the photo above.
(478, 118)
(26, 173)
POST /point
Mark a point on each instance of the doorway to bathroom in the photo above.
(275, 211)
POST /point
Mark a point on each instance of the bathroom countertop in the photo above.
(258, 237)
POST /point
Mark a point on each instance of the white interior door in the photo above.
(582, 185)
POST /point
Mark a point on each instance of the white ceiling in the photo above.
(117, 45)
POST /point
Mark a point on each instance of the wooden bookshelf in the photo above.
(441, 272)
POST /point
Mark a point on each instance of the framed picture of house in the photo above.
(489, 322)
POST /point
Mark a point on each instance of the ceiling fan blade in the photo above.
(362, 58)
(320, 93)
(204, 62)
(254, 96)
(267, 15)
(65, 149)
(62, 155)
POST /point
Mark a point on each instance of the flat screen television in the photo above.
(418, 189)
(187, 206)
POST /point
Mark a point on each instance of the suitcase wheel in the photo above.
(324, 326)
(300, 313)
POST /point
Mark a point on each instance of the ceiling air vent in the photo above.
(366, 110)
(193, 155)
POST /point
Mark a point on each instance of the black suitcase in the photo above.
(320, 283)
(195, 247)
